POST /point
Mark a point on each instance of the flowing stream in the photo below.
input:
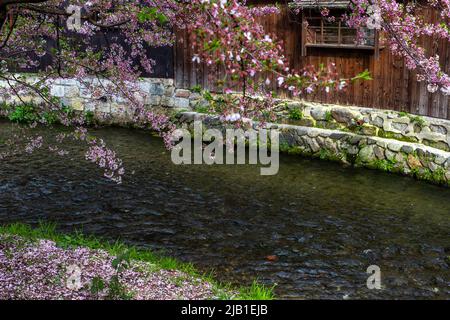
(323, 223)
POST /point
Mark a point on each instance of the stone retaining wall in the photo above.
(413, 159)
(386, 140)
(156, 92)
(163, 94)
(373, 122)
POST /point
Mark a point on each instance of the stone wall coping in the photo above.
(431, 120)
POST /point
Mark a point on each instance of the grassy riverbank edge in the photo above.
(47, 231)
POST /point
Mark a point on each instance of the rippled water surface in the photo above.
(325, 223)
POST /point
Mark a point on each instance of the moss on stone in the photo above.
(436, 144)
(293, 150)
(303, 122)
(325, 154)
(384, 165)
(425, 174)
(395, 136)
(366, 130)
(295, 114)
(331, 125)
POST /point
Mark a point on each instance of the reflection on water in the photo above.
(326, 224)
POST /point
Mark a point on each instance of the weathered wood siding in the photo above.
(394, 87)
(163, 57)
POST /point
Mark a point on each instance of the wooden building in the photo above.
(393, 86)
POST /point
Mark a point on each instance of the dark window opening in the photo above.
(332, 31)
(322, 33)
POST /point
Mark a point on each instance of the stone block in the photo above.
(395, 146)
(77, 104)
(153, 100)
(414, 162)
(390, 155)
(318, 113)
(367, 154)
(103, 107)
(167, 102)
(407, 149)
(57, 91)
(343, 115)
(157, 89)
(181, 103)
(379, 152)
(378, 121)
(182, 93)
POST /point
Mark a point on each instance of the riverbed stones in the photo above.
(302, 131)
(447, 175)
(355, 139)
(289, 138)
(382, 144)
(433, 166)
(157, 89)
(153, 100)
(436, 144)
(306, 122)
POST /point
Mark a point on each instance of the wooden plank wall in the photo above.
(162, 56)
(394, 87)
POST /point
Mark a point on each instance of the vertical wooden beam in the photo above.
(377, 45)
(339, 33)
(321, 31)
(304, 34)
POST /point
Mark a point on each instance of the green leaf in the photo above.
(151, 14)
(365, 75)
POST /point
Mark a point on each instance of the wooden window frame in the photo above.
(339, 45)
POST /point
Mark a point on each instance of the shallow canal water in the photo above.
(325, 223)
